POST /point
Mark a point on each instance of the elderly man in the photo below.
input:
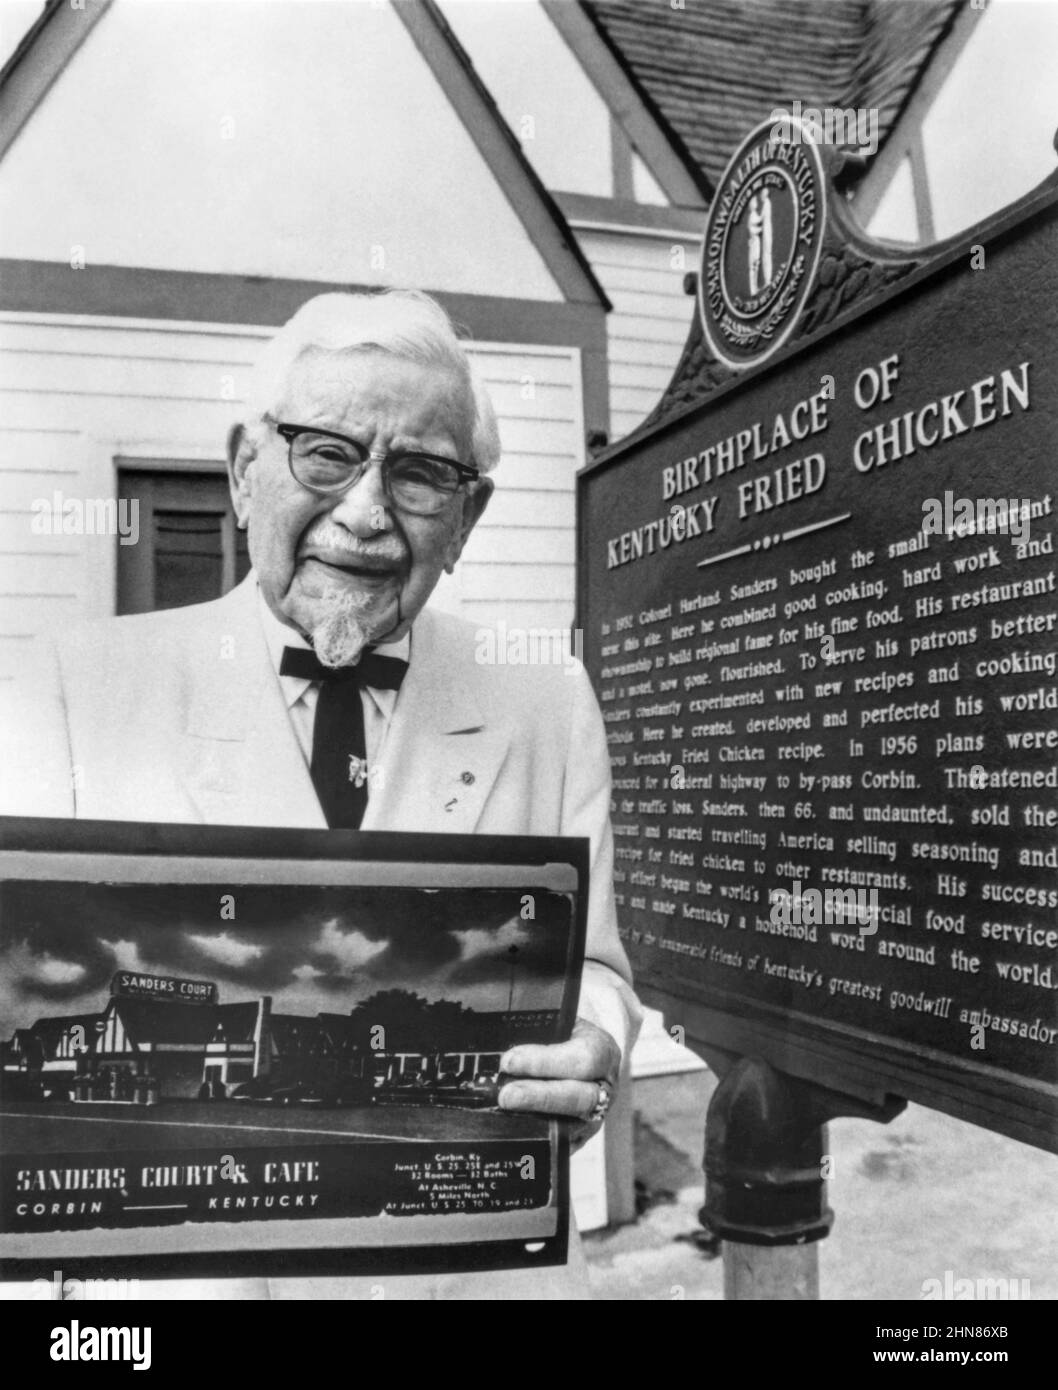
(360, 469)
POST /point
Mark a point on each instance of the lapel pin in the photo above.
(466, 778)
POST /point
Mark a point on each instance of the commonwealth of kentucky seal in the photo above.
(762, 243)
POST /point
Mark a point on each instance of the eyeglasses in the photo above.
(328, 464)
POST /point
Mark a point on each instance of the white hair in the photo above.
(404, 323)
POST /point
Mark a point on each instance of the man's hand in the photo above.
(561, 1078)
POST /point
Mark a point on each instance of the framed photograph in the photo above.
(229, 1051)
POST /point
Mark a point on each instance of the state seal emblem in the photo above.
(762, 242)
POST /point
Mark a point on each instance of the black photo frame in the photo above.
(80, 897)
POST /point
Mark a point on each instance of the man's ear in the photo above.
(474, 503)
(241, 454)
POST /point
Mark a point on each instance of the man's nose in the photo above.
(364, 509)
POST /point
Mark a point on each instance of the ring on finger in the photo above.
(602, 1101)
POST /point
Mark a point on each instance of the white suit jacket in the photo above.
(179, 716)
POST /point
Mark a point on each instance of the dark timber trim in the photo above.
(40, 58)
(588, 209)
(872, 188)
(470, 99)
(657, 144)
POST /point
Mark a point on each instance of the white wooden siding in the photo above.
(518, 567)
(77, 393)
(648, 326)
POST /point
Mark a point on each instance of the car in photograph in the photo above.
(447, 1091)
(481, 1090)
(259, 1089)
(409, 1088)
(347, 1092)
(298, 1093)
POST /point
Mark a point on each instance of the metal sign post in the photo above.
(766, 1165)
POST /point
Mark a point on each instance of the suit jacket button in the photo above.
(467, 778)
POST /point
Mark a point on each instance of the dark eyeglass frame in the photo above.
(466, 472)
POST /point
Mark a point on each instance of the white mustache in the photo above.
(327, 536)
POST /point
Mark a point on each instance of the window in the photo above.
(189, 548)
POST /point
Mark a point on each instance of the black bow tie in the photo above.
(379, 672)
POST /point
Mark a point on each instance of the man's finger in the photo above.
(573, 1098)
(588, 1055)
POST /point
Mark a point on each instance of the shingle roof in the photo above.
(166, 1021)
(51, 1030)
(715, 68)
(233, 1022)
(163, 1021)
(293, 1035)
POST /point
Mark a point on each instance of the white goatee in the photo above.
(347, 626)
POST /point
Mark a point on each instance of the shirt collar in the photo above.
(277, 636)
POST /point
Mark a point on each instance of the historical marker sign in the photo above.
(818, 603)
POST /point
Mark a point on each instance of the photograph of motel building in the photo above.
(149, 1043)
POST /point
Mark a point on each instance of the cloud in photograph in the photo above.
(312, 948)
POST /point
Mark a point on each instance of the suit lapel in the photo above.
(244, 765)
(443, 752)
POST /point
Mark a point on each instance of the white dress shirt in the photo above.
(301, 695)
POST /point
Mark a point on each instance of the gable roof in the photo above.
(161, 1021)
(632, 108)
(712, 70)
(477, 108)
(52, 41)
(49, 1031)
(234, 1022)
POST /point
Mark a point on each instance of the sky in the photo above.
(15, 18)
(312, 949)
